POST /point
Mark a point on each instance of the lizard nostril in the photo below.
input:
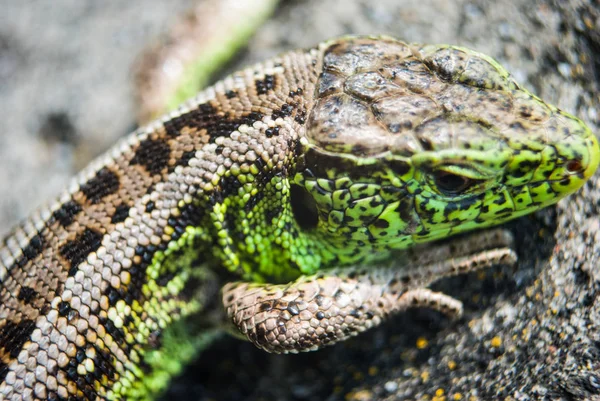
(574, 166)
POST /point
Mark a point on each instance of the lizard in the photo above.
(286, 200)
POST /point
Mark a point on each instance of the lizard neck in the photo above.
(248, 196)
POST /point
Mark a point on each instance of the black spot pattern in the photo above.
(300, 117)
(164, 278)
(254, 200)
(399, 167)
(185, 158)
(153, 155)
(284, 111)
(14, 334)
(67, 212)
(34, 247)
(121, 213)
(191, 289)
(117, 333)
(27, 295)
(271, 132)
(77, 250)
(103, 365)
(201, 117)
(229, 184)
(272, 212)
(64, 308)
(263, 86)
(381, 223)
(103, 184)
(3, 371)
(216, 123)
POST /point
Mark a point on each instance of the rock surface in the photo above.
(530, 333)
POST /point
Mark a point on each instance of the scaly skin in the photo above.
(330, 157)
(332, 305)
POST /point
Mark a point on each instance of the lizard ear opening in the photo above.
(304, 207)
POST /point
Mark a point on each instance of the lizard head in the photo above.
(410, 143)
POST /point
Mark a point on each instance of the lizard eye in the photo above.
(304, 207)
(452, 184)
(574, 166)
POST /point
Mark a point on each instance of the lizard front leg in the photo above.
(333, 305)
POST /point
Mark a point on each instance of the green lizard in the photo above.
(288, 187)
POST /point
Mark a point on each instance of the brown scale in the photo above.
(77, 227)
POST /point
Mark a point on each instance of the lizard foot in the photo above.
(333, 305)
